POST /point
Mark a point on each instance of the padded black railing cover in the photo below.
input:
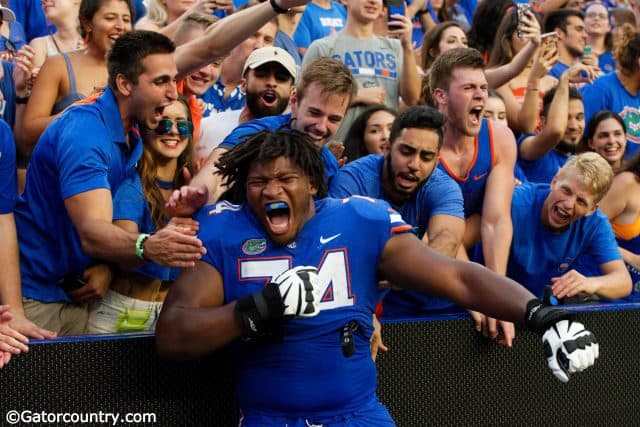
(436, 373)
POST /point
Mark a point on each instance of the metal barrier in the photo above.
(438, 372)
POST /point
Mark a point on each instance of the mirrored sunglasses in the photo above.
(185, 127)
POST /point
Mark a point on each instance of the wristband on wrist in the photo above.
(276, 8)
(261, 314)
(140, 245)
(22, 99)
(533, 86)
(539, 316)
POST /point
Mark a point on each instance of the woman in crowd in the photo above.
(598, 28)
(486, 19)
(64, 15)
(135, 298)
(619, 91)
(444, 36)
(494, 108)
(523, 94)
(622, 205)
(165, 16)
(67, 78)
(369, 132)
(606, 136)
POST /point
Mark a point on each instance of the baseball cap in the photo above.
(7, 14)
(265, 55)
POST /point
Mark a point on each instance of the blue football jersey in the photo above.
(306, 373)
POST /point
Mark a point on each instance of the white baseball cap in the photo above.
(7, 14)
(265, 55)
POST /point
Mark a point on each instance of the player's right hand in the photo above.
(300, 291)
(569, 348)
(568, 345)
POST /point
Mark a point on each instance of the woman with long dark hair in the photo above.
(135, 298)
(369, 132)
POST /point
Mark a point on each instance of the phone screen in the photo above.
(395, 7)
(548, 42)
(521, 11)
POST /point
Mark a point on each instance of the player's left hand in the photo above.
(569, 348)
(571, 283)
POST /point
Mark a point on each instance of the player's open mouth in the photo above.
(278, 217)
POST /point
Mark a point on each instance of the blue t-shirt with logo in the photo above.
(608, 93)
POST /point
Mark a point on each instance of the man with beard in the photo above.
(318, 104)
(568, 24)
(541, 155)
(269, 76)
(556, 224)
(426, 197)
(480, 156)
(225, 93)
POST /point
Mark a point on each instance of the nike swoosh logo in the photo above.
(479, 177)
(328, 239)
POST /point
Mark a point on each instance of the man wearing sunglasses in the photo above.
(64, 218)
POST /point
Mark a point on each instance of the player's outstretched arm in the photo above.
(569, 347)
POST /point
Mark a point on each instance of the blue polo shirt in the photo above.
(82, 150)
(245, 130)
(8, 185)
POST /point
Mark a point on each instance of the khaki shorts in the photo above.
(65, 318)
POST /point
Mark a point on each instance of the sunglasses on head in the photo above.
(185, 127)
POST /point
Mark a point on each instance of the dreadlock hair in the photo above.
(266, 146)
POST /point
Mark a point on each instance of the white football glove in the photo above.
(569, 348)
(300, 291)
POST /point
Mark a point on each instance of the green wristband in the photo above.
(140, 246)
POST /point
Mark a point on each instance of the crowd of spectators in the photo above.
(471, 118)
